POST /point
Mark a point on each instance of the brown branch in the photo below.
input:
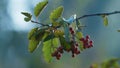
(39, 23)
(81, 17)
(99, 14)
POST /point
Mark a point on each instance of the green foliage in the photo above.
(33, 42)
(39, 7)
(49, 47)
(32, 45)
(94, 66)
(118, 30)
(31, 33)
(64, 43)
(55, 14)
(35, 36)
(58, 33)
(79, 35)
(105, 20)
(111, 63)
(28, 16)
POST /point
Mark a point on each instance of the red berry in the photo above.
(72, 32)
(56, 52)
(58, 55)
(88, 46)
(78, 52)
(70, 29)
(82, 39)
(58, 58)
(90, 41)
(91, 45)
(87, 37)
(73, 55)
(75, 50)
(76, 44)
(60, 48)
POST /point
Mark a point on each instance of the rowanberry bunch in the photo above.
(74, 46)
(58, 53)
(75, 50)
(87, 43)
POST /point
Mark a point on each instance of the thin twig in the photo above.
(98, 14)
(39, 23)
(81, 17)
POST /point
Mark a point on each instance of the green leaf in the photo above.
(40, 34)
(55, 14)
(35, 36)
(31, 33)
(32, 45)
(79, 35)
(118, 30)
(111, 63)
(27, 19)
(94, 66)
(58, 33)
(105, 20)
(39, 7)
(49, 48)
(64, 43)
(49, 37)
(28, 16)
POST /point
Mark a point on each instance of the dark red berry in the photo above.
(75, 50)
(60, 48)
(56, 52)
(73, 55)
(61, 51)
(91, 45)
(78, 52)
(90, 41)
(70, 29)
(76, 44)
(87, 37)
(82, 39)
(88, 46)
(58, 55)
(72, 32)
(58, 58)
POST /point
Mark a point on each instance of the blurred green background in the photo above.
(14, 42)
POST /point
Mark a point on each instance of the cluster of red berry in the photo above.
(74, 48)
(58, 53)
(87, 43)
(71, 30)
